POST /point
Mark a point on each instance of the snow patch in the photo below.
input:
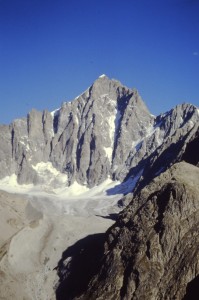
(55, 112)
(104, 95)
(149, 132)
(10, 184)
(137, 144)
(117, 119)
(27, 147)
(78, 200)
(191, 124)
(129, 185)
(153, 116)
(108, 151)
(102, 76)
(75, 190)
(74, 200)
(111, 122)
(49, 175)
(43, 167)
(126, 186)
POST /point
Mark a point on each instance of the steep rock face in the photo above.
(181, 144)
(30, 140)
(152, 251)
(106, 131)
(96, 132)
(79, 139)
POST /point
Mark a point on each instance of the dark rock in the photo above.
(152, 251)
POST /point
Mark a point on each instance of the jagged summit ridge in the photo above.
(107, 131)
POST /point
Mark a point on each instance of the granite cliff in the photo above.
(105, 132)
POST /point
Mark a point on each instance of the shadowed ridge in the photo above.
(192, 291)
(79, 263)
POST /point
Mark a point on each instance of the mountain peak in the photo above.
(104, 132)
(103, 78)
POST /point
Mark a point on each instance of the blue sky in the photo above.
(51, 51)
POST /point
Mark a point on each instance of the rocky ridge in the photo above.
(151, 252)
(105, 132)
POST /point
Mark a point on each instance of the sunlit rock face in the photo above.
(105, 132)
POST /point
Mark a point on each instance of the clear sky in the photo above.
(51, 51)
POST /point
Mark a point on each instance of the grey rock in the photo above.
(179, 128)
(6, 162)
(105, 132)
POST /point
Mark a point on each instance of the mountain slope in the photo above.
(78, 161)
(152, 250)
(105, 132)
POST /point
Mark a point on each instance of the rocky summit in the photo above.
(105, 132)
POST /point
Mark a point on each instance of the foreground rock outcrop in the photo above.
(152, 251)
